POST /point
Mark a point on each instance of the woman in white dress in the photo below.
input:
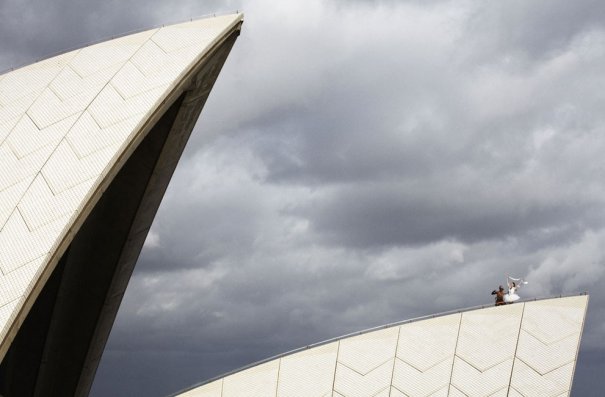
(513, 286)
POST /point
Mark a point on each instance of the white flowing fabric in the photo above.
(518, 281)
(512, 296)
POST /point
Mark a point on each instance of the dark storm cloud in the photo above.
(533, 29)
(404, 215)
(358, 163)
(407, 161)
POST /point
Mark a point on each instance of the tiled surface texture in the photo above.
(310, 372)
(524, 349)
(65, 122)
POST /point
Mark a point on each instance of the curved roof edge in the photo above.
(159, 96)
(120, 35)
(89, 141)
(366, 331)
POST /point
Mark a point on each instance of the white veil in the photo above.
(518, 281)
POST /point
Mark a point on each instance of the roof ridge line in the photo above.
(124, 34)
(365, 331)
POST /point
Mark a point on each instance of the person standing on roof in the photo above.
(499, 296)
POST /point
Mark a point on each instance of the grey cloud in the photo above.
(530, 31)
(390, 167)
(357, 164)
(417, 115)
(401, 215)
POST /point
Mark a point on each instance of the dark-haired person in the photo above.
(499, 296)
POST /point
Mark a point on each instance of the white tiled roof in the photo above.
(66, 125)
(524, 349)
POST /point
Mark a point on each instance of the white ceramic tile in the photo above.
(489, 336)
(11, 114)
(110, 108)
(32, 78)
(164, 64)
(259, 381)
(213, 389)
(104, 55)
(9, 198)
(19, 245)
(86, 137)
(65, 170)
(18, 169)
(531, 383)
(26, 138)
(308, 373)
(453, 392)
(423, 344)
(199, 33)
(15, 283)
(364, 353)
(383, 393)
(130, 82)
(351, 383)
(150, 59)
(69, 84)
(554, 319)
(514, 393)
(6, 313)
(500, 393)
(49, 108)
(397, 393)
(416, 383)
(441, 392)
(474, 382)
(40, 206)
(545, 358)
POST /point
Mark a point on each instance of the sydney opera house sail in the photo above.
(524, 349)
(89, 140)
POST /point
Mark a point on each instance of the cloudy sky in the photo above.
(358, 163)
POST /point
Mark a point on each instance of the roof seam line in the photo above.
(451, 356)
(551, 343)
(335, 366)
(455, 352)
(370, 371)
(544, 373)
(87, 107)
(395, 357)
(512, 368)
(403, 322)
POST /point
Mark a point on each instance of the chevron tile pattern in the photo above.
(425, 355)
(485, 350)
(64, 123)
(453, 392)
(523, 350)
(548, 344)
(308, 373)
(365, 363)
